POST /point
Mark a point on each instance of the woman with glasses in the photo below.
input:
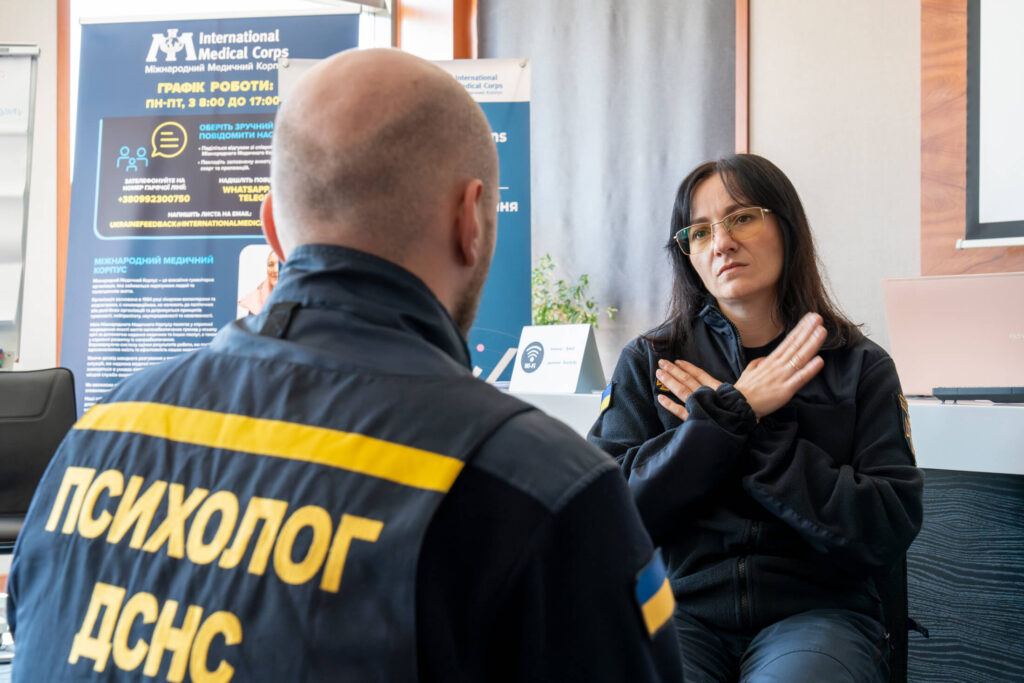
(766, 442)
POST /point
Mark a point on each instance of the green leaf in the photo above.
(557, 301)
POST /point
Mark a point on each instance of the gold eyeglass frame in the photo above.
(711, 226)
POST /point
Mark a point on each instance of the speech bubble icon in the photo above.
(169, 139)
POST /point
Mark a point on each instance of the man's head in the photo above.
(386, 153)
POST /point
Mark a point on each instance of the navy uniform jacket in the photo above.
(763, 520)
(326, 493)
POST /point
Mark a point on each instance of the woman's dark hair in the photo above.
(753, 181)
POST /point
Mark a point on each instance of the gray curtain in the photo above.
(626, 99)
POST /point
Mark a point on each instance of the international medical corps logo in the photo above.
(171, 44)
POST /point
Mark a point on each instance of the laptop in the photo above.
(958, 337)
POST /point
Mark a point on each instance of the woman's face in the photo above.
(272, 264)
(734, 272)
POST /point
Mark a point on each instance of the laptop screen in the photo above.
(956, 331)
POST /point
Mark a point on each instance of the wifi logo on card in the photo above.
(532, 357)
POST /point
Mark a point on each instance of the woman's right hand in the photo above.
(769, 383)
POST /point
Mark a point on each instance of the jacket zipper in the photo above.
(741, 565)
(739, 345)
(745, 616)
(744, 598)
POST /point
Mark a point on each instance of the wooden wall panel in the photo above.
(436, 29)
(742, 76)
(464, 40)
(944, 148)
(426, 28)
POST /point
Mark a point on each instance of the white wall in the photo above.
(28, 21)
(835, 102)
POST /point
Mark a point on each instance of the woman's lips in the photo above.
(729, 266)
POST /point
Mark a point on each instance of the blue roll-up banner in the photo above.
(502, 89)
(172, 161)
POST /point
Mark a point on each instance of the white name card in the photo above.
(557, 359)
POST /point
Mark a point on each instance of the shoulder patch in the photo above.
(606, 396)
(654, 594)
(658, 384)
(905, 421)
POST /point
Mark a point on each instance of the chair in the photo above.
(37, 407)
(892, 589)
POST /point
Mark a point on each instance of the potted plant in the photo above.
(557, 302)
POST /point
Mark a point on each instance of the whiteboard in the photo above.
(1001, 153)
(17, 100)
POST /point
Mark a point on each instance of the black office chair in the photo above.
(895, 617)
(37, 407)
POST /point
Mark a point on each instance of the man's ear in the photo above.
(469, 237)
(269, 229)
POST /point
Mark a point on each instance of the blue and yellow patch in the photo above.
(606, 397)
(654, 594)
(905, 419)
(661, 387)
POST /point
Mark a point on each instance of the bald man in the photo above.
(326, 493)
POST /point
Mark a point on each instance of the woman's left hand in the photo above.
(769, 383)
(682, 378)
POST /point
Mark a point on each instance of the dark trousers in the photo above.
(826, 645)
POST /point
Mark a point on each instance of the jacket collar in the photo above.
(714, 318)
(372, 288)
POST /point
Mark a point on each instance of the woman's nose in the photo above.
(723, 241)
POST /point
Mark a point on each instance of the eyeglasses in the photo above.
(740, 225)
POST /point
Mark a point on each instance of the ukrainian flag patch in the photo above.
(606, 397)
(905, 420)
(654, 594)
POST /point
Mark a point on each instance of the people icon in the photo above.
(124, 157)
(132, 162)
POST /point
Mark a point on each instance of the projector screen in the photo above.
(995, 112)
